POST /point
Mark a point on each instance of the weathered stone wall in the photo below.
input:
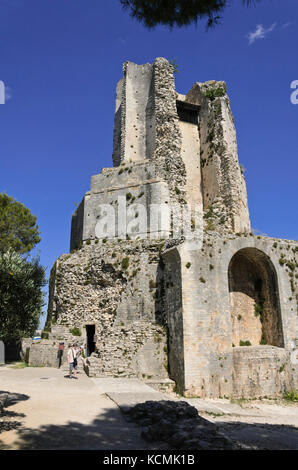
(170, 286)
(112, 284)
(132, 136)
(2, 352)
(44, 354)
(135, 297)
(254, 299)
(163, 305)
(261, 371)
(168, 144)
(146, 121)
(190, 151)
(207, 316)
(126, 194)
(224, 188)
(77, 226)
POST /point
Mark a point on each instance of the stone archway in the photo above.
(254, 300)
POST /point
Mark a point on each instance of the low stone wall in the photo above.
(261, 371)
(45, 354)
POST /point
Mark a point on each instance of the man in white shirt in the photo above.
(72, 361)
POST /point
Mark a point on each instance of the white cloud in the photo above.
(260, 33)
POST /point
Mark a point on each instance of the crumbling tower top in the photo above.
(191, 138)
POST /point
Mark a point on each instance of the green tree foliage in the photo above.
(21, 296)
(177, 12)
(18, 229)
(174, 64)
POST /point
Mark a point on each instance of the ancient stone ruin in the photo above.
(164, 280)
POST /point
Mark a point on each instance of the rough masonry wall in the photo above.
(224, 188)
(175, 313)
(167, 155)
(261, 371)
(171, 292)
(118, 119)
(112, 285)
(209, 357)
(138, 185)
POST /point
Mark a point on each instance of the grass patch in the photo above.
(292, 395)
(20, 365)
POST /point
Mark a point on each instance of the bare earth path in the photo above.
(46, 410)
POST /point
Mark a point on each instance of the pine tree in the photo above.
(18, 229)
(21, 296)
(177, 12)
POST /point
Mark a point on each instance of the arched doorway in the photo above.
(254, 300)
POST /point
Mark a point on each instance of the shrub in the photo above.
(125, 263)
(292, 395)
(75, 332)
(213, 93)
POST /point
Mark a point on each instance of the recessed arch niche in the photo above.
(254, 299)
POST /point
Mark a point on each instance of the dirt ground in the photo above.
(47, 410)
(254, 424)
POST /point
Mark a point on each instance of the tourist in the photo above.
(72, 359)
(81, 355)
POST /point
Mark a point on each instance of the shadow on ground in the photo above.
(182, 428)
(261, 436)
(110, 431)
(106, 432)
(10, 420)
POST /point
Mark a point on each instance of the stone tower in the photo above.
(165, 279)
(179, 149)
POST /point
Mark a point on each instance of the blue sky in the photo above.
(60, 61)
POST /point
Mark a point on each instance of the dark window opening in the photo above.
(187, 112)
